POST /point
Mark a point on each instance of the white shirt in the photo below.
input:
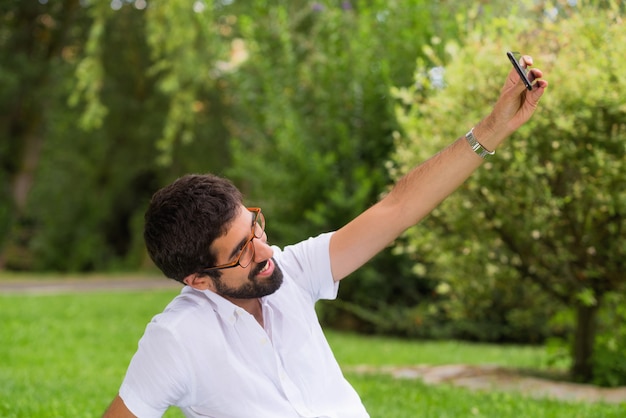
(212, 359)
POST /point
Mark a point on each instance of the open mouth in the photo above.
(265, 267)
(262, 269)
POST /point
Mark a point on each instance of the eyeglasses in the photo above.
(246, 254)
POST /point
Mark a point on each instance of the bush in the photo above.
(539, 226)
(609, 367)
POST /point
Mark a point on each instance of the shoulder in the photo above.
(314, 249)
(182, 316)
(307, 263)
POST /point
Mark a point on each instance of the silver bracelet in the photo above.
(477, 147)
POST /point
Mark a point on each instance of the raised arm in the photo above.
(425, 186)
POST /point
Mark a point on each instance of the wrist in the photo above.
(488, 134)
(476, 146)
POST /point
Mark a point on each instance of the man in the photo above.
(242, 339)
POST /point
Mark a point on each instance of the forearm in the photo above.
(427, 185)
(424, 187)
(410, 200)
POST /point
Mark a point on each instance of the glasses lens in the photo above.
(247, 255)
(259, 226)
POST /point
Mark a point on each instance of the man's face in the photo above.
(261, 277)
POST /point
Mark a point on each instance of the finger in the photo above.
(539, 87)
(534, 74)
(526, 61)
(514, 82)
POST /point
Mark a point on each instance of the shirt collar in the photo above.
(228, 311)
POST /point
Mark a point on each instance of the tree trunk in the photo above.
(584, 337)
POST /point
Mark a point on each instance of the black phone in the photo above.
(515, 58)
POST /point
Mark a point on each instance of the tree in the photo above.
(550, 209)
(138, 93)
(36, 42)
(99, 162)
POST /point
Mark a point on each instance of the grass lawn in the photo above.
(65, 356)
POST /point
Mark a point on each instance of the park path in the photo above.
(496, 378)
(89, 284)
(473, 377)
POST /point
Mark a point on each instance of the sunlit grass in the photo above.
(66, 355)
(387, 397)
(382, 351)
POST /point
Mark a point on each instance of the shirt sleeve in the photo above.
(157, 374)
(308, 264)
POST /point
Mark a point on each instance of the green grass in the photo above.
(66, 355)
(382, 351)
(386, 397)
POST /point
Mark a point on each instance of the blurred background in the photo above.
(313, 109)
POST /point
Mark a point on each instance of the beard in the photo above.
(254, 288)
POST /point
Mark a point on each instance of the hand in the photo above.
(515, 105)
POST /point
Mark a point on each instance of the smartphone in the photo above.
(515, 58)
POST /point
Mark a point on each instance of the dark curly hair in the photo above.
(184, 218)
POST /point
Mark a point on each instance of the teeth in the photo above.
(265, 267)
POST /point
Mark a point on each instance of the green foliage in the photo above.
(96, 184)
(314, 118)
(541, 223)
(100, 161)
(90, 73)
(35, 45)
(610, 345)
(185, 47)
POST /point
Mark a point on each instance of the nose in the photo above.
(262, 250)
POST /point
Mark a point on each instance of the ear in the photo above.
(199, 282)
